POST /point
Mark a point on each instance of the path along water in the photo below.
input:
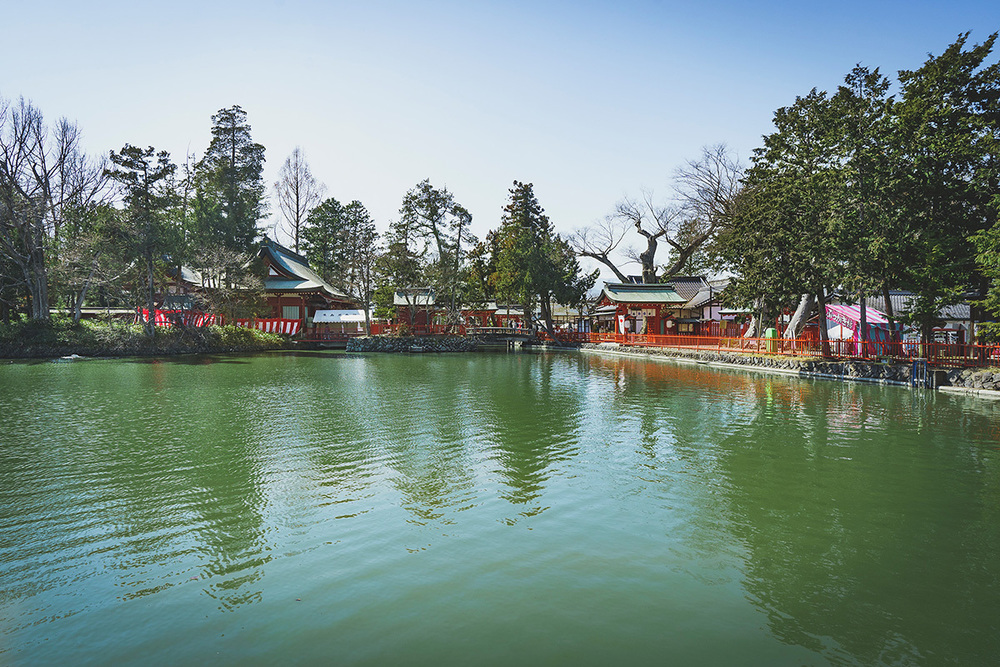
(327, 508)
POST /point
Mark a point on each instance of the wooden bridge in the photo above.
(505, 336)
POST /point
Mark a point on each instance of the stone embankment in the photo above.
(854, 371)
(411, 344)
(975, 378)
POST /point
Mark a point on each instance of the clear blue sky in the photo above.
(589, 101)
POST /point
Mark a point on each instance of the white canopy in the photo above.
(322, 316)
(839, 332)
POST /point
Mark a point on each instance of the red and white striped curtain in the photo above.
(274, 325)
(189, 318)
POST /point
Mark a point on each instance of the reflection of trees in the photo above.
(457, 414)
(867, 532)
(863, 539)
(533, 411)
(425, 431)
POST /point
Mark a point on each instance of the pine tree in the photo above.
(144, 176)
(229, 201)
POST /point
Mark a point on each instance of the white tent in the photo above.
(338, 316)
(840, 332)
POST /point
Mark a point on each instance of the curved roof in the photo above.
(641, 293)
(296, 274)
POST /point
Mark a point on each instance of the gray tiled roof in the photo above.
(300, 278)
(652, 293)
(687, 286)
(900, 301)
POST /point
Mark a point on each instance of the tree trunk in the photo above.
(78, 305)
(801, 316)
(647, 259)
(864, 326)
(824, 337)
(38, 283)
(546, 307)
(894, 336)
(150, 305)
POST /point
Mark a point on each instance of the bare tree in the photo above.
(231, 284)
(706, 196)
(599, 241)
(42, 172)
(298, 193)
(652, 222)
(708, 192)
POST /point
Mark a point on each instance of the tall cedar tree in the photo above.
(229, 200)
(781, 243)
(948, 137)
(324, 239)
(341, 244)
(860, 191)
(535, 266)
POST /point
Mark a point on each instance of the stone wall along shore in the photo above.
(857, 371)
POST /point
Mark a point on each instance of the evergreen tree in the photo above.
(362, 252)
(948, 136)
(144, 177)
(783, 242)
(433, 229)
(534, 265)
(229, 200)
(325, 239)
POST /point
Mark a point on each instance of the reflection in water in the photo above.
(864, 540)
(881, 541)
(371, 508)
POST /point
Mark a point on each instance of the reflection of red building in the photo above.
(293, 290)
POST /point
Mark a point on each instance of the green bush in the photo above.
(61, 336)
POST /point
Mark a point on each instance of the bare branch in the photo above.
(599, 241)
(297, 192)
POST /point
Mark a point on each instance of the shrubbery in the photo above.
(61, 336)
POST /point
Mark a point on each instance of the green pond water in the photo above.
(507, 509)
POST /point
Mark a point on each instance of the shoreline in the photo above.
(58, 340)
(951, 381)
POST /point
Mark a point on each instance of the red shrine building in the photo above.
(672, 308)
(293, 290)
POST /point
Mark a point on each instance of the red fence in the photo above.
(941, 354)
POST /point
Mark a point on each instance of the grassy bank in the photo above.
(61, 337)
